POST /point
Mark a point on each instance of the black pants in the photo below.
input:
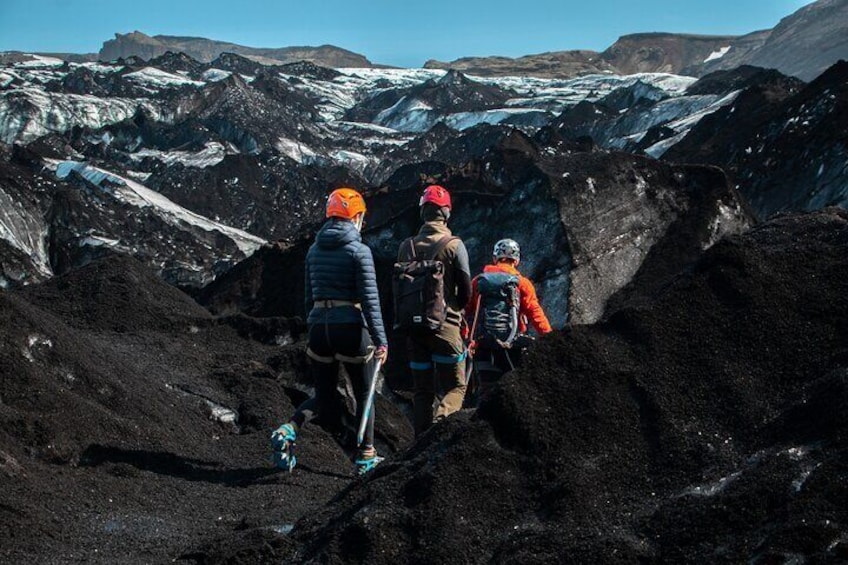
(326, 341)
(491, 364)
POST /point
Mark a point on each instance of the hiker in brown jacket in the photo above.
(437, 357)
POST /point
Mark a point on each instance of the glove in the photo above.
(382, 353)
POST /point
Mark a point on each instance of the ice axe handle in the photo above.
(369, 404)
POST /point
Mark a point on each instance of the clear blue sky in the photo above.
(394, 32)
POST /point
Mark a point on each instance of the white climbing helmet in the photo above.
(507, 249)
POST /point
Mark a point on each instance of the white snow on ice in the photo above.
(717, 54)
(25, 231)
(296, 150)
(40, 61)
(210, 156)
(152, 76)
(99, 67)
(683, 125)
(466, 120)
(7, 78)
(28, 113)
(215, 75)
(99, 241)
(352, 159)
(711, 489)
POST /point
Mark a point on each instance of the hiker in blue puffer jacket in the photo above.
(345, 324)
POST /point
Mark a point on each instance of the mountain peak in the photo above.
(453, 77)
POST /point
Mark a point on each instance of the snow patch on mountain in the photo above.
(717, 54)
(138, 195)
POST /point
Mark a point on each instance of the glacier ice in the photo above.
(138, 195)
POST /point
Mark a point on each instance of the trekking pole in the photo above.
(369, 404)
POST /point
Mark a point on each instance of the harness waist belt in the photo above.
(331, 303)
(359, 360)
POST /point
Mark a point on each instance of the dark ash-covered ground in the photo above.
(703, 425)
(700, 422)
(117, 443)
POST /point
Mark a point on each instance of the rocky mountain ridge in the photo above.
(807, 42)
(663, 52)
(556, 64)
(802, 44)
(138, 44)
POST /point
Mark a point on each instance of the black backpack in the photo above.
(497, 311)
(419, 289)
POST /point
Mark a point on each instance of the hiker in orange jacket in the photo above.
(503, 303)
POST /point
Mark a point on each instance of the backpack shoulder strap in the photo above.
(441, 244)
(410, 256)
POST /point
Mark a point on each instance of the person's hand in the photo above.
(464, 332)
(382, 354)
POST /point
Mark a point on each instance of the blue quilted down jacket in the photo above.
(340, 267)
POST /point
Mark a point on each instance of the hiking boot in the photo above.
(367, 460)
(282, 440)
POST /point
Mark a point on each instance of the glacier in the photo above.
(29, 113)
(32, 110)
(138, 195)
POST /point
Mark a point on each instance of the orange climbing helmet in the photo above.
(345, 203)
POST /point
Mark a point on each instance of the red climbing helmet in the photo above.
(437, 195)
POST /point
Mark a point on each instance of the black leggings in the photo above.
(328, 340)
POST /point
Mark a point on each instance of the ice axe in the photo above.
(472, 345)
(369, 404)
